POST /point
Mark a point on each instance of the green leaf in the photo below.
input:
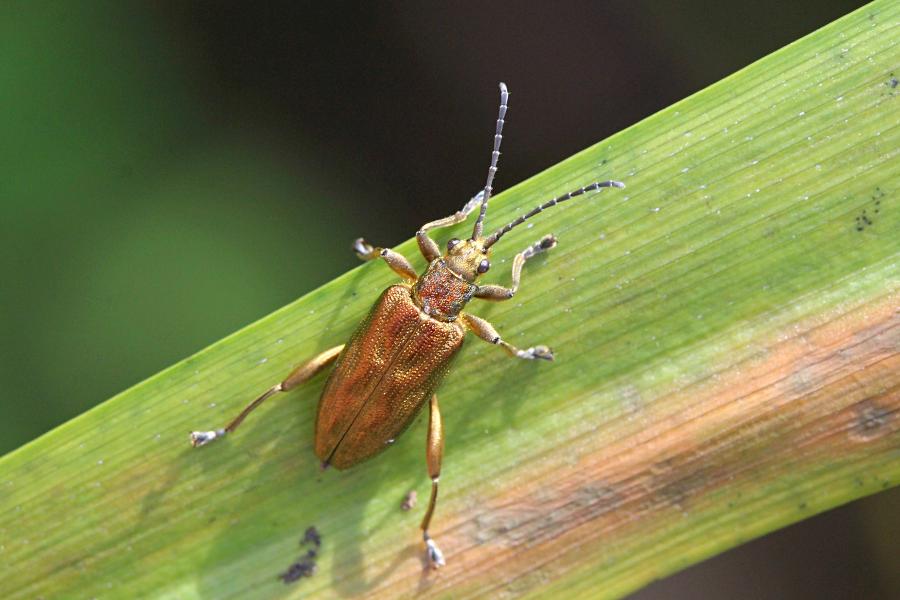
(727, 344)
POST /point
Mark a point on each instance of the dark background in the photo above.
(172, 171)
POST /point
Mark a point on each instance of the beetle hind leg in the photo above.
(299, 375)
(433, 454)
(201, 438)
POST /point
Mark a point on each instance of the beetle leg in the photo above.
(395, 260)
(486, 331)
(498, 292)
(299, 375)
(429, 248)
(433, 454)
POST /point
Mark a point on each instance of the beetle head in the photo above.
(467, 258)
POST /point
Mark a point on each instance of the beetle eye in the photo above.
(452, 243)
(484, 265)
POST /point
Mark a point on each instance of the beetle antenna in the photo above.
(495, 157)
(588, 188)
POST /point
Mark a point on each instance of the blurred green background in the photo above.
(172, 171)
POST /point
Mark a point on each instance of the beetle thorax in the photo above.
(441, 293)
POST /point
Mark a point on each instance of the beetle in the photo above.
(396, 359)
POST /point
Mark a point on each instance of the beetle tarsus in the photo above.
(363, 249)
(201, 438)
(435, 556)
(541, 352)
(547, 242)
(472, 203)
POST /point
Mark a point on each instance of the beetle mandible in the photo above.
(399, 354)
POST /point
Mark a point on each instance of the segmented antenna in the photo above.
(495, 156)
(492, 239)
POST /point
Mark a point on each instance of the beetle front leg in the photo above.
(486, 331)
(395, 260)
(303, 373)
(498, 292)
(427, 246)
(434, 452)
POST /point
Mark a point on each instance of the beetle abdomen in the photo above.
(385, 374)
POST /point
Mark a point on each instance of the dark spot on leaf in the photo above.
(311, 536)
(301, 568)
(410, 500)
(676, 483)
(871, 419)
(306, 565)
(865, 219)
(523, 524)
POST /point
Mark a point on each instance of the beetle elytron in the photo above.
(398, 356)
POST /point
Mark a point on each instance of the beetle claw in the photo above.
(541, 352)
(362, 248)
(435, 556)
(201, 438)
(548, 241)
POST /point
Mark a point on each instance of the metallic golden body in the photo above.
(388, 370)
(398, 356)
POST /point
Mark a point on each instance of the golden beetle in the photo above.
(399, 354)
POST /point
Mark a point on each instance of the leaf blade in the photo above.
(727, 343)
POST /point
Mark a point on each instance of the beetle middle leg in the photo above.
(299, 375)
(498, 292)
(434, 452)
(486, 331)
